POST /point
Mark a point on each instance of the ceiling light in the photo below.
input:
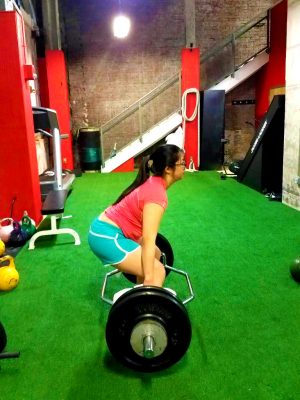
(121, 26)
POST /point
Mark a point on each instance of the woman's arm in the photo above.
(152, 215)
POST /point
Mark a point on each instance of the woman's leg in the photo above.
(133, 265)
(109, 245)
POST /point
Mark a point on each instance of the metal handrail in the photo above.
(236, 34)
(141, 102)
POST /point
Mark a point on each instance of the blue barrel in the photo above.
(89, 149)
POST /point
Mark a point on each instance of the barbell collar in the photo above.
(148, 346)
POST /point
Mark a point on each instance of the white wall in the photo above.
(291, 162)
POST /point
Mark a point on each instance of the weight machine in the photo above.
(55, 186)
(46, 123)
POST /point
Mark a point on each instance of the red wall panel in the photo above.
(55, 95)
(19, 177)
(272, 75)
(43, 82)
(190, 78)
(127, 166)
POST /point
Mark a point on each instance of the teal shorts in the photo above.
(109, 243)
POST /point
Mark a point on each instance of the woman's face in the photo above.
(179, 167)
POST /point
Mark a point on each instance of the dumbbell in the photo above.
(167, 256)
(148, 328)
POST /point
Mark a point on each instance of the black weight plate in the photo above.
(3, 338)
(148, 302)
(165, 247)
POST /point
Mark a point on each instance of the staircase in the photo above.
(150, 137)
(244, 72)
(224, 67)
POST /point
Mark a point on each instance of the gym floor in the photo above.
(237, 247)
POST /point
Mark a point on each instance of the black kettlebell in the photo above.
(295, 269)
(3, 342)
(3, 338)
(17, 237)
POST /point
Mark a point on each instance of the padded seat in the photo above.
(55, 202)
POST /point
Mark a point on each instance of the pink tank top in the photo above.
(128, 213)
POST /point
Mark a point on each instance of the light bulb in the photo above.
(121, 26)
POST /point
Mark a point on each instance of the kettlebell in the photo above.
(9, 276)
(295, 269)
(6, 227)
(17, 237)
(27, 225)
(2, 248)
(3, 338)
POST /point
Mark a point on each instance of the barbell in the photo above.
(148, 328)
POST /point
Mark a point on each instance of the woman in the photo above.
(124, 234)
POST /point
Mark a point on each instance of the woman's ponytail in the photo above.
(142, 176)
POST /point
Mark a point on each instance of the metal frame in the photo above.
(175, 270)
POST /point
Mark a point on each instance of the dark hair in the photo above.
(164, 156)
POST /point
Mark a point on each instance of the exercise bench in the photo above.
(54, 206)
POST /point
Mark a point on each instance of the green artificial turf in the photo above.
(237, 247)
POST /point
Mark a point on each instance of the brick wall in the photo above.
(106, 75)
(239, 121)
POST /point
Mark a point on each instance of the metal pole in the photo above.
(51, 24)
(233, 55)
(57, 159)
(101, 149)
(190, 31)
(140, 122)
